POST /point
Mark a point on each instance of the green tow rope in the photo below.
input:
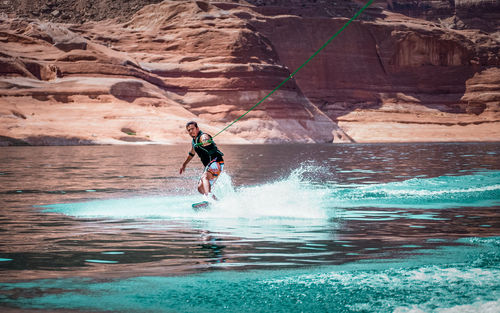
(298, 69)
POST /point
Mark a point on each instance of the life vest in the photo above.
(208, 153)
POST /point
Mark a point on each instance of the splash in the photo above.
(289, 198)
(296, 197)
(298, 207)
(285, 210)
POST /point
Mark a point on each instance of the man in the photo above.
(210, 156)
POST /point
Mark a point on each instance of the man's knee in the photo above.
(208, 175)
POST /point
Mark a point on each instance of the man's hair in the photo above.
(192, 123)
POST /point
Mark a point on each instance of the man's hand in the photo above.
(190, 156)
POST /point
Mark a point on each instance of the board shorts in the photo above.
(214, 168)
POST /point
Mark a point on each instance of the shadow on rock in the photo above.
(129, 91)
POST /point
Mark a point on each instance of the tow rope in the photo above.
(296, 71)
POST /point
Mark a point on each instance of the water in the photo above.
(316, 228)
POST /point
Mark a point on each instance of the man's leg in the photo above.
(204, 184)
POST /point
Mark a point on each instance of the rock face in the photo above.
(387, 77)
(455, 14)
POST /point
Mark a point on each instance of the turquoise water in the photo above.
(300, 228)
(468, 284)
(293, 208)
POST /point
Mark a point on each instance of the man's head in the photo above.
(192, 129)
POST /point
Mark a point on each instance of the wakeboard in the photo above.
(200, 205)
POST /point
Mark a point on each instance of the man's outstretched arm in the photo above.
(190, 156)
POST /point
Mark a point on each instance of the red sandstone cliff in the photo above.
(387, 77)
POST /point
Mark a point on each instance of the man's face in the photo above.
(192, 130)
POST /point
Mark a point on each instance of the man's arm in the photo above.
(206, 140)
(190, 156)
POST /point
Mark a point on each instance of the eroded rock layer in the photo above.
(387, 77)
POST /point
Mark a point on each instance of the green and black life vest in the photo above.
(208, 153)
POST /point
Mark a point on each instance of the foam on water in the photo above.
(298, 198)
(288, 198)
(474, 190)
(476, 307)
(284, 210)
(295, 208)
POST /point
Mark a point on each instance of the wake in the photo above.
(296, 197)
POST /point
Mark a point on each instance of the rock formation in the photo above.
(139, 78)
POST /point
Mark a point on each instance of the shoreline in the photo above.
(60, 142)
